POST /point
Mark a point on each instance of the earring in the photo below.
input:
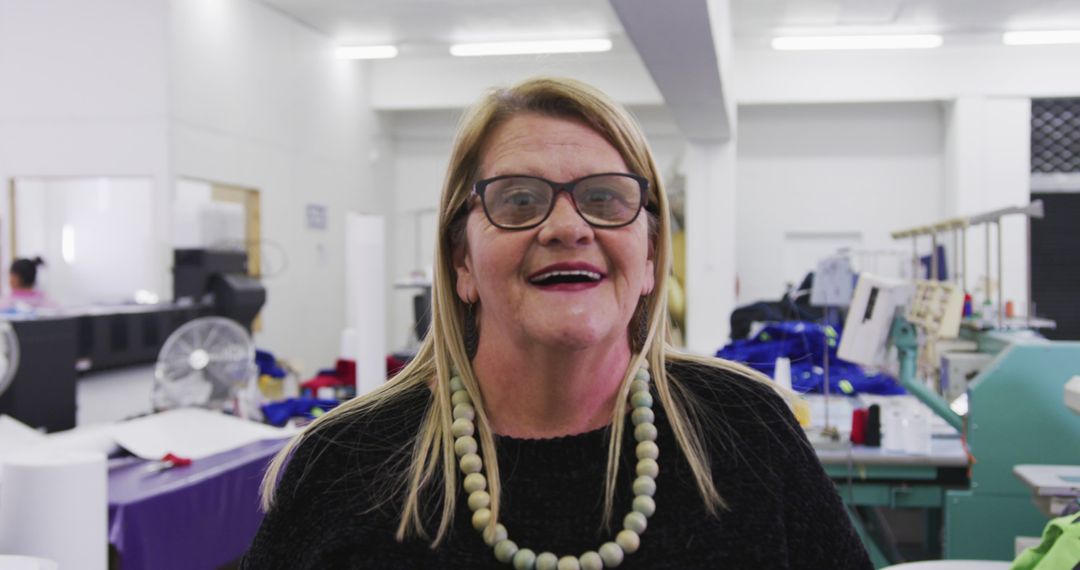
(470, 333)
(642, 333)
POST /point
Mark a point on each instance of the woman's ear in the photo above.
(648, 281)
(466, 281)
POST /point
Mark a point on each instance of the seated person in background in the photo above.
(546, 421)
(24, 295)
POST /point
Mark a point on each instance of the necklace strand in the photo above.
(610, 554)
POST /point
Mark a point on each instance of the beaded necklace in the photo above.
(610, 554)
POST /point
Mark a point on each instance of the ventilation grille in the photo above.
(1055, 136)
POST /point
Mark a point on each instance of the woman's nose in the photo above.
(565, 224)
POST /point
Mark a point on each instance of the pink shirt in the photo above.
(25, 299)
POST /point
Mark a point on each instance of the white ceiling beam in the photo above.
(678, 44)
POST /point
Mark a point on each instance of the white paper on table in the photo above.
(192, 433)
(16, 436)
(84, 438)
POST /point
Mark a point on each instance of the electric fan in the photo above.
(9, 355)
(203, 364)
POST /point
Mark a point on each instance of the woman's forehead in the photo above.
(541, 145)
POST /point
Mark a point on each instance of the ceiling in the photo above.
(427, 25)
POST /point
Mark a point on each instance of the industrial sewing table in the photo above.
(200, 516)
(872, 477)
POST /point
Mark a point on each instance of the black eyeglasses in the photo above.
(518, 202)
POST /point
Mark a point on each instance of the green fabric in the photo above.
(1059, 549)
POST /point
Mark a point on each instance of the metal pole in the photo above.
(988, 298)
(955, 255)
(963, 255)
(1030, 309)
(914, 257)
(1001, 283)
(933, 256)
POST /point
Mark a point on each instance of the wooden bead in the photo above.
(648, 468)
(645, 485)
(481, 518)
(471, 463)
(628, 540)
(642, 416)
(645, 505)
(462, 428)
(569, 563)
(456, 384)
(493, 536)
(465, 445)
(464, 411)
(647, 450)
(547, 561)
(475, 482)
(460, 397)
(642, 432)
(479, 500)
(591, 561)
(635, 521)
(525, 559)
(612, 554)
(505, 550)
(641, 400)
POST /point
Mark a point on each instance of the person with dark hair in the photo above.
(25, 296)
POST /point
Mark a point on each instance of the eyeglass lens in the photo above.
(603, 200)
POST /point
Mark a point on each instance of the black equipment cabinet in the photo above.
(42, 394)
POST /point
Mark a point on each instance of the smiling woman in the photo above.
(540, 400)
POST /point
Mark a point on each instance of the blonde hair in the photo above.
(443, 350)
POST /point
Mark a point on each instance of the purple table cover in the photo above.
(201, 516)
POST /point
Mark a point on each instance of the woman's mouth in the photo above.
(566, 278)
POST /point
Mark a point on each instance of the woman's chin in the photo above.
(572, 338)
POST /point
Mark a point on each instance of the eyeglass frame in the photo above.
(557, 187)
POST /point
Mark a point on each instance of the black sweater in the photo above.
(781, 509)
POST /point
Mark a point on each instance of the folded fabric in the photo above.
(805, 344)
(1059, 549)
(279, 413)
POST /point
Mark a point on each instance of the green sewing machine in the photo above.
(1015, 415)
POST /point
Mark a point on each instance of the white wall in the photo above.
(958, 69)
(96, 234)
(820, 176)
(988, 149)
(442, 83)
(259, 101)
(82, 94)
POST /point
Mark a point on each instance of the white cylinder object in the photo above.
(892, 438)
(348, 344)
(782, 372)
(917, 437)
(26, 563)
(55, 506)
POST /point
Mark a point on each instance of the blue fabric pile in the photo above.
(804, 343)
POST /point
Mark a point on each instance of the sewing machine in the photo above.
(994, 379)
(1056, 488)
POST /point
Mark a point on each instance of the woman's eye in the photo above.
(599, 195)
(520, 198)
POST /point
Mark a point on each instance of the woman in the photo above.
(545, 423)
(22, 277)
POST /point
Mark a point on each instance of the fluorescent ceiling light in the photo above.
(1035, 38)
(367, 52)
(919, 41)
(519, 48)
